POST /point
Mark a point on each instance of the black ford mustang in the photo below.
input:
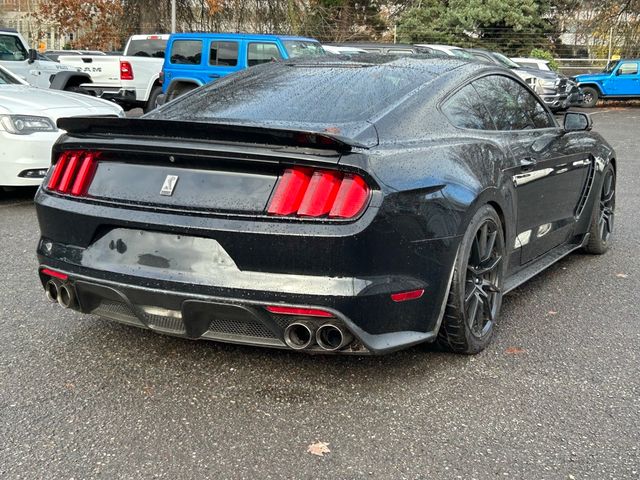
(358, 206)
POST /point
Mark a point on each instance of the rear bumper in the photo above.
(239, 316)
(115, 94)
(350, 270)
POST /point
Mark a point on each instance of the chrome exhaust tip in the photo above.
(66, 296)
(331, 337)
(51, 291)
(299, 335)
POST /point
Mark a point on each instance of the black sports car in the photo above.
(353, 206)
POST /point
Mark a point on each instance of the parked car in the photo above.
(131, 80)
(618, 81)
(389, 48)
(28, 128)
(196, 59)
(533, 63)
(557, 91)
(35, 69)
(342, 50)
(450, 50)
(324, 205)
(54, 54)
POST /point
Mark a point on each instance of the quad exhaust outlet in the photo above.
(332, 337)
(299, 335)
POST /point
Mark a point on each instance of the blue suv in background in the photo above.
(620, 80)
(195, 59)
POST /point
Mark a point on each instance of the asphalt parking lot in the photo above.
(556, 396)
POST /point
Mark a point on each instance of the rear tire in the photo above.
(475, 295)
(591, 96)
(153, 99)
(602, 217)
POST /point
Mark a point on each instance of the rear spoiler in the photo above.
(142, 127)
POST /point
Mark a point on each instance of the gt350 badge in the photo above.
(169, 185)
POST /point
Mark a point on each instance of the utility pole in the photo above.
(173, 16)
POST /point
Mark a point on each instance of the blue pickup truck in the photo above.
(618, 81)
(194, 59)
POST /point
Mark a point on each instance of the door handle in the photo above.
(214, 75)
(527, 164)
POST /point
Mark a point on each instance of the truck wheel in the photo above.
(153, 99)
(590, 97)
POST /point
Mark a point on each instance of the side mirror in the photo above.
(33, 55)
(577, 122)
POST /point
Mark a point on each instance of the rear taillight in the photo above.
(126, 72)
(73, 172)
(307, 192)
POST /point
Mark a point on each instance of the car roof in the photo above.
(7, 29)
(240, 36)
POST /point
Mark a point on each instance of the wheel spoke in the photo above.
(483, 233)
(469, 295)
(491, 241)
(473, 311)
(487, 266)
(487, 308)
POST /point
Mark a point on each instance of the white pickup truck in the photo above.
(132, 80)
(33, 68)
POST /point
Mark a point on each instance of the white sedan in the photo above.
(28, 129)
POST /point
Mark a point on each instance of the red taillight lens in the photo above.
(315, 193)
(73, 172)
(126, 72)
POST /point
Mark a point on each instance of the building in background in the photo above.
(20, 15)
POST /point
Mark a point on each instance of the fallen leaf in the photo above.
(69, 386)
(318, 449)
(148, 390)
(552, 312)
(621, 275)
(514, 350)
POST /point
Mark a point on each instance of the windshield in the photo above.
(505, 61)
(6, 79)
(303, 48)
(11, 49)
(147, 48)
(610, 67)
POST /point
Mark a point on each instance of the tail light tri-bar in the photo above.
(73, 172)
(309, 192)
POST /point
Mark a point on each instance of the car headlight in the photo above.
(542, 85)
(26, 124)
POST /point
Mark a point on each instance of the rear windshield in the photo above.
(298, 94)
(303, 48)
(147, 48)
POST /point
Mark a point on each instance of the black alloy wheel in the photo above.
(602, 219)
(475, 296)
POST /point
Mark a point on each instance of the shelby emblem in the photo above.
(169, 185)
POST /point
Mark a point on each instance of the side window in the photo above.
(628, 69)
(511, 105)
(223, 54)
(11, 49)
(258, 53)
(187, 52)
(465, 109)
